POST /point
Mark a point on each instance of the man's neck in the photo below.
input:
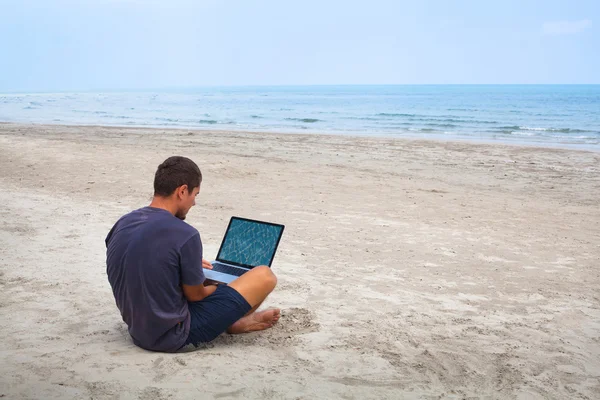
(165, 203)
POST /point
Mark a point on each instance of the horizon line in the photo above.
(166, 88)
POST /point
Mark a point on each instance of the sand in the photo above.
(408, 268)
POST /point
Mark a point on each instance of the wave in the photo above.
(167, 119)
(508, 128)
(454, 120)
(577, 137)
(442, 125)
(305, 120)
(178, 121)
(394, 124)
(523, 133)
(554, 115)
(424, 130)
(462, 109)
(396, 115)
(364, 118)
(560, 130)
(536, 129)
(433, 118)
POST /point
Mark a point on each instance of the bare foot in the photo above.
(257, 321)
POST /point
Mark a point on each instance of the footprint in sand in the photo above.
(293, 323)
(296, 321)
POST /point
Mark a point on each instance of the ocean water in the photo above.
(552, 114)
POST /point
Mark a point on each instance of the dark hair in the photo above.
(174, 172)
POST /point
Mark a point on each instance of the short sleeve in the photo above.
(190, 261)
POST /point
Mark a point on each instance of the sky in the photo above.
(62, 45)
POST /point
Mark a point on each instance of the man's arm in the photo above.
(197, 292)
(192, 277)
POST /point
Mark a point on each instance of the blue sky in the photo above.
(50, 45)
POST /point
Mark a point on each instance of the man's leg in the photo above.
(254, 286)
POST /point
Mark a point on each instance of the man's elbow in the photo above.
(194, 293)
(197, 293)
(194, 297)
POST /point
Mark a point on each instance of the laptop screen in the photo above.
(250, 243)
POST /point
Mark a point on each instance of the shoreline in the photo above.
(441, 138)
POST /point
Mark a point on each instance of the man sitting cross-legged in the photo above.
(154, 265)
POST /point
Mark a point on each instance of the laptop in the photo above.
(247, 244)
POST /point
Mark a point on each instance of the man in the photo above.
(154, 265)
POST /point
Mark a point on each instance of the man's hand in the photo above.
(206, 264)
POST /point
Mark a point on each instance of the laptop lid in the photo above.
(249, 243)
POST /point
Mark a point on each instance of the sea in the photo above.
(563, 115)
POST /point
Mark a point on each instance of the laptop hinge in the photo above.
(234, 266)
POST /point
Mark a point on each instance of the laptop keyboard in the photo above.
(226, 269)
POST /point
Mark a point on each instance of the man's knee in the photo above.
(255, 285)
(266, 275)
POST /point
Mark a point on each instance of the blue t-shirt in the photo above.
(149, 254)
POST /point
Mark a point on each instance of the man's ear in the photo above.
(182, 191)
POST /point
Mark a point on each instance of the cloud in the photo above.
(566, 27)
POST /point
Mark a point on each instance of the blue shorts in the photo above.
(212, 316)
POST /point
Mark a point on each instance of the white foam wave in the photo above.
(527, 128)
(524, 133)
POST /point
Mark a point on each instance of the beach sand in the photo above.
(408, 268)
